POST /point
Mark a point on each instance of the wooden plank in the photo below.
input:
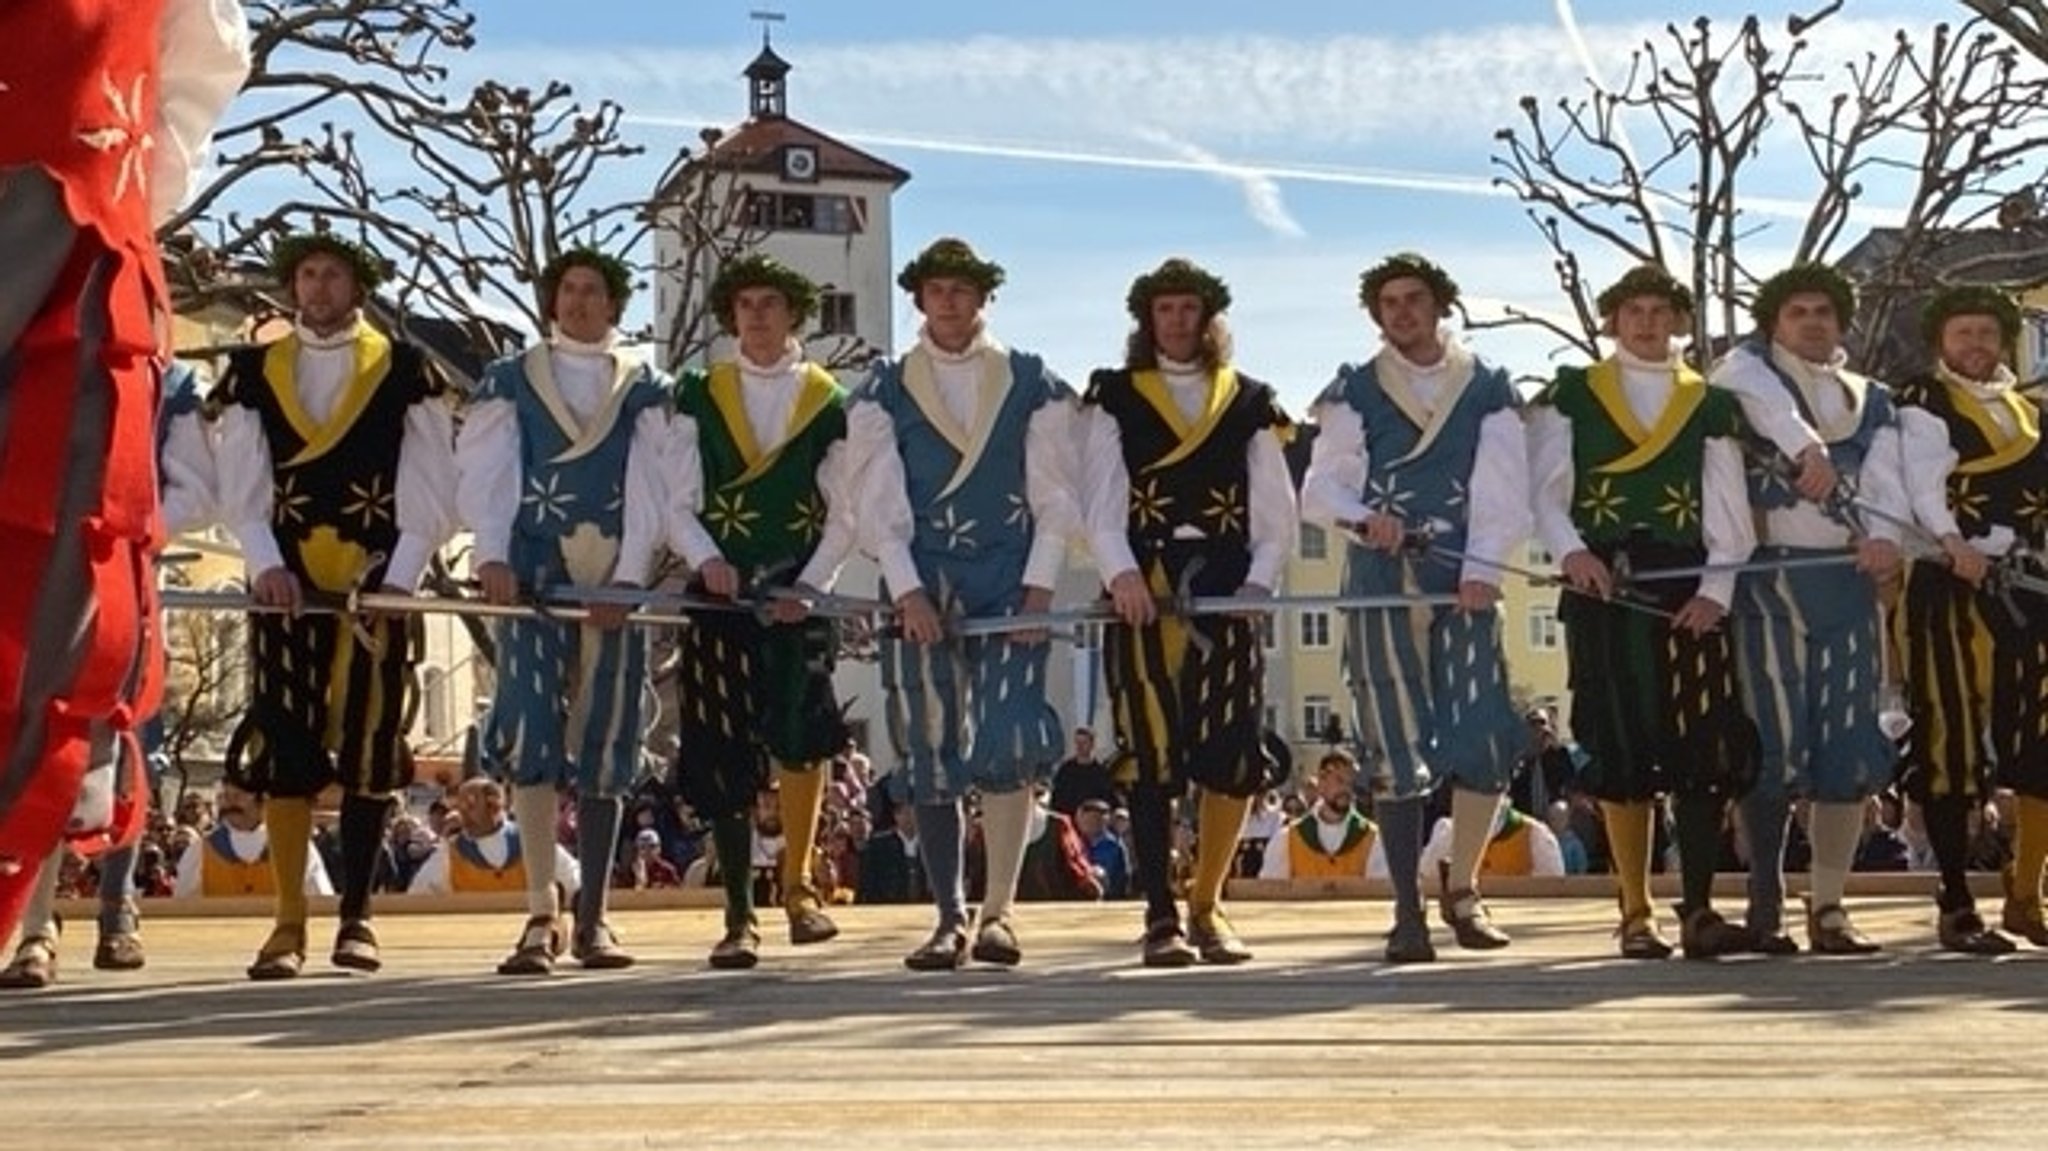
(1316, 1043)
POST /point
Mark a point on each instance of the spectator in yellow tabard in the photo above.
(233, 857)
(484, 854)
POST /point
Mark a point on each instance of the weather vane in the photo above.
(765, 19)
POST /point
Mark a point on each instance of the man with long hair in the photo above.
(1188, 493)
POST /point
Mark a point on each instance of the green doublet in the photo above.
(763, 508)
(1632, 481)
(1655, 707)
(750, 692)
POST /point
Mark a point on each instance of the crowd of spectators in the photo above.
(1080, 840)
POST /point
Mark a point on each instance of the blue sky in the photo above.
(1285, 145)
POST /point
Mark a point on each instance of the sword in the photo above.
(1832, 559)
(356, 603)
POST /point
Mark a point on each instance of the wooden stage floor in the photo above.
(1553, 1042)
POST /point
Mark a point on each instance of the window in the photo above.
(1315, 543)
(804, 212)
(836, 314)
(1539, 556)
(438, 704)
(1544, 632)
(796, 213)
(1269, 633)
(1315, 716)
(832, 214)
(1315, 629)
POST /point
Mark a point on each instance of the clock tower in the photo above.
(813, 202)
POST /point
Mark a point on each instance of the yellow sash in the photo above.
(281, 369)
(815, 390)
(1152, 385)
(1688, 391)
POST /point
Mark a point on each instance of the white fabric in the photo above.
(203, 58)
(426, 466)
(189, 503)
(247, 847)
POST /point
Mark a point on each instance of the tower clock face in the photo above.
(800, 162)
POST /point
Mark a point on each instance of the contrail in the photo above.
(1387, 178)
(1584, 52)
(1300, 173)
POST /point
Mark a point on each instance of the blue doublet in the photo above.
(567, 710)
(1430, 687)
(1808, 640)
(969, 713)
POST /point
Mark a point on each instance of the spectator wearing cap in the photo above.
(648, 868)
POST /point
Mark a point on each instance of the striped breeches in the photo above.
(332, 701)
(1656, 709)
(1189, 709)
(969, 713)
(748, 693)
(1811, 663)
(1430, 698)
(567, 708)
(1976, 675)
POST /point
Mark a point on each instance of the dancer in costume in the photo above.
(1426, 437)
(337, 471)
(761, 495)
(1976, 669)
(1809, 640)
(560, 461)
(185, 468)
(1636, 467)
(977, 439)
(105, 108)
(1188, 492)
